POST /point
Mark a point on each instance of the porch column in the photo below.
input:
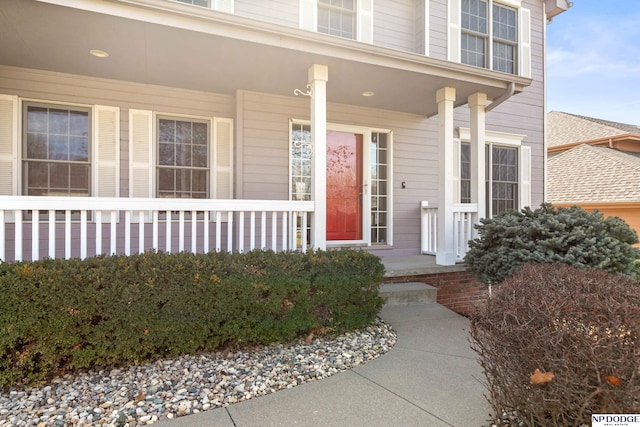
(445, 254)
(477, 103)
(318, 77)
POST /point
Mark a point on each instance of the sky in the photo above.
(593, 60)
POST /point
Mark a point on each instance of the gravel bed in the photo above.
(141, 395)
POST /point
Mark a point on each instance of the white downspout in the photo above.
(502, 98)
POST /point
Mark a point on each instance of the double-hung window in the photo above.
(183, 158)
(350, 19)
(56, 158)
(50, 148)
(220, 5)
(493, 34)
(180, 156)
(502, 179)
(337, 17)
(203, 3)
(507, 177)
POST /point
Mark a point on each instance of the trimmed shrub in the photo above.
(558, 343)
(61, 315)
(566, 235)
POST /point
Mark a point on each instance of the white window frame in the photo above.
(219, 5)
(23, 103)
(192, 119)
(104, 148)
(366, 133)
(308, 19)
(143, 146)
(503, 139)
(523, 50)
(99, 159)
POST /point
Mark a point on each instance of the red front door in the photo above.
(344, 186)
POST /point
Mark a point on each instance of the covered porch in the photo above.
(323, 69)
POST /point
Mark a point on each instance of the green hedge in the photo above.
(62, 315)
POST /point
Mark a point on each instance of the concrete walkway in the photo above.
(430, 378)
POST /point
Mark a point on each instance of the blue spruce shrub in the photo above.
(546, 235)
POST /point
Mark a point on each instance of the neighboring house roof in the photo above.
(590, 174)
(565, 128)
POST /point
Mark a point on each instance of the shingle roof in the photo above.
(589, 174)
(565, 128)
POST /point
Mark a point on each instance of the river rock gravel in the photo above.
(166, 389)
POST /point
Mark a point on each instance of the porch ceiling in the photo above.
(160, 42)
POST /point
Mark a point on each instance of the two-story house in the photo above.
(391, 125)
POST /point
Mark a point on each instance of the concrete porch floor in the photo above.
(416, 265)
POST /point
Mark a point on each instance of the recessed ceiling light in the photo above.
(368, 93)
(98, 53)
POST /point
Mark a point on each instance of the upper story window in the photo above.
(220, 5)
(505, 39)
(56, 157)
(203, 3)
(493, 34)
(477, 39)
(337, 17)
(351, 19)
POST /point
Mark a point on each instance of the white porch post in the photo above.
(446, 254)
(318, 77)
(477, 103)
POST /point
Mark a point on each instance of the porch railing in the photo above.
(465, 216)
(33, 228)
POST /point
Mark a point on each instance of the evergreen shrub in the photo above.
(559, 343)
(60, 315)
(565, 235)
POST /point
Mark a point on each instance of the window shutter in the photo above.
(222, 159)
(140, 153)
(456, 170)
(453, 39)
(106, 164)
(309, 15)
(525, 176)
(8, 145)
(365, 21)
(224, 6)
(525, 43)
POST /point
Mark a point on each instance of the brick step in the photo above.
(408, 293)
